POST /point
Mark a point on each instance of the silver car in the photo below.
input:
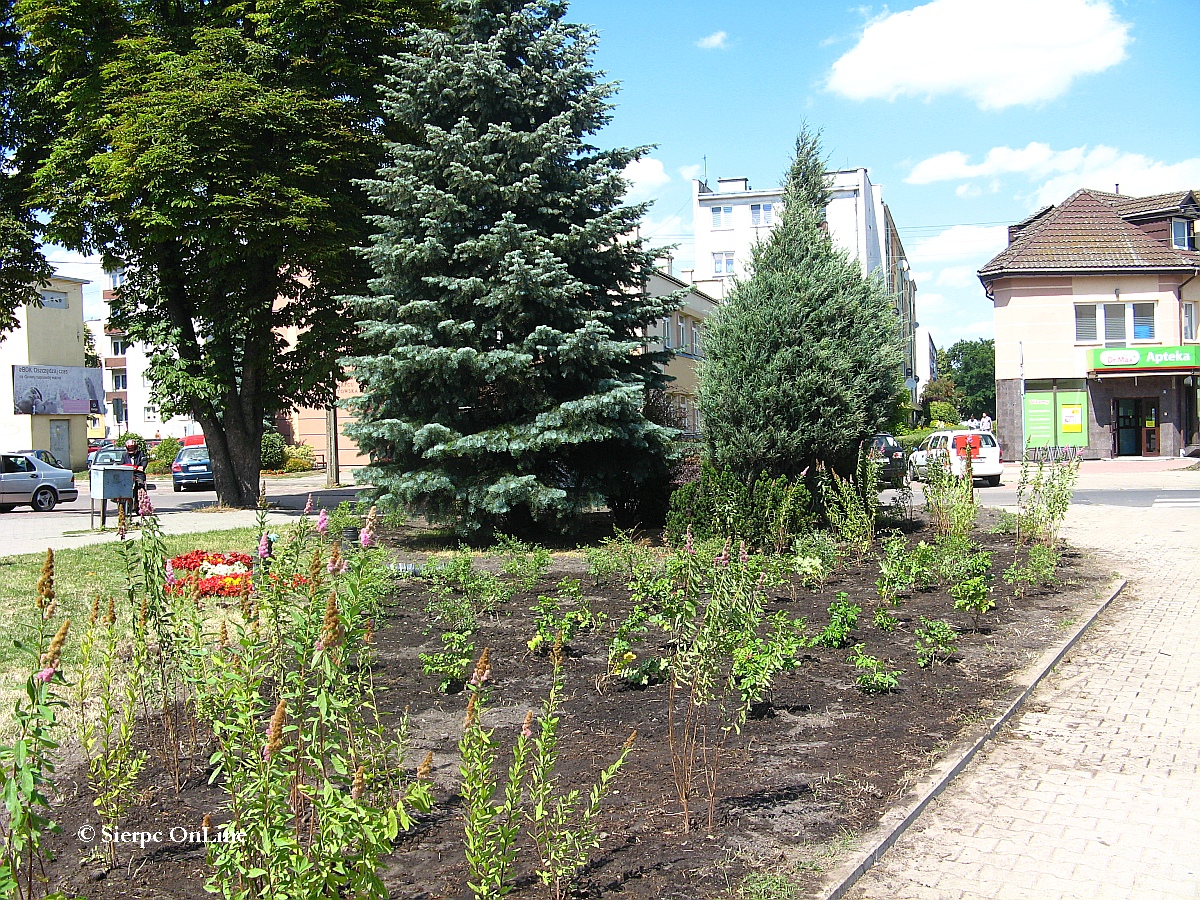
(26, 480)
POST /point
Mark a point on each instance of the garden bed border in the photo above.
(896, 821)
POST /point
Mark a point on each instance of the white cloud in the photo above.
(646, 176)
(690, 172)
(998, 53)
(958, 276)
(715, 41)
(962, 244)
(968, 191)
(1056, 174)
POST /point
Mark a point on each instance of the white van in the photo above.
(958, 443)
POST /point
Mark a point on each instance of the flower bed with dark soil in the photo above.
(818, 763)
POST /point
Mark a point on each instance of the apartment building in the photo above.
(683, 334)
(731, 219)
(1096, 312)
(128, 390)
(47, 394)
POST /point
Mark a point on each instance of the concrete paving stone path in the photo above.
(1094, 791)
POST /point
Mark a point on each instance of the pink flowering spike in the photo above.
(688, 544)
(365, 538)
(526, 731)
(319, 645)
(45, 675)
(145, 507)
(323, 523)
(344, 566)
(308, 505)
(170, 573)
(723, 560)
(743, 556)
(264, 546)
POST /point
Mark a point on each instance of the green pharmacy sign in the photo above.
(1122, 358)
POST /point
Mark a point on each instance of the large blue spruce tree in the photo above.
(504, 373)
(803, 360)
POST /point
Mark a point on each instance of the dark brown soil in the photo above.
(821, 762)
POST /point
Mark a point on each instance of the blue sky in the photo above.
(970, 113)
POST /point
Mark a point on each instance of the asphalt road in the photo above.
(284, 494)
(1156, 498)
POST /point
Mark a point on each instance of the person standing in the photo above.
(985, 424)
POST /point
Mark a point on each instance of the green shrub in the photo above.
(297, 464)
(935, 642)
(164, 454)
(872, 677)
(300, 451)
(766, 514)
(941, 411)
(154, 467)
(843, 618)
(274, 451)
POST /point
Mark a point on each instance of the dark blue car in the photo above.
(192, 468)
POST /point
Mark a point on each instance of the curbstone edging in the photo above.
(896, 822)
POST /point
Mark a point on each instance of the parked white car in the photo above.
(958, 444)
(27, 480)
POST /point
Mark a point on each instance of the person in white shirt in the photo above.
(973, 423)
(986, 422)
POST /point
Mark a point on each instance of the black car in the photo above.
(192, 468)
(894, 468)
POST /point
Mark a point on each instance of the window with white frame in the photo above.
(120, 380)
(722, 217)
(1190, 329)
(666, 333)
(723, 263)
(150, 414)
(1085, 323)
(696, 348)
(683, 331)
(1181, 234)
(762, 214)
(120, 346)
(54, 299)
(1122, 322)
(1143, 321)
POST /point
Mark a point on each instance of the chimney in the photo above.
(687, 275)
(666, 265)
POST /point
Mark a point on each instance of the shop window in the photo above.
(1143, 321)
(1085, 323)
(1189, 321)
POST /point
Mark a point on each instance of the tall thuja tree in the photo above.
(803, 360)
(506, 373)
(213, 149)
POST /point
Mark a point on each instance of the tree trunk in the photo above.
(235, 449)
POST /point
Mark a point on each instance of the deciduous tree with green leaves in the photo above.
(23, 266)
(506, 371)
(803, 359)
(971, 365)
(213, 150)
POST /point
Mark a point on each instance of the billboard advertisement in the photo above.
(57, 390)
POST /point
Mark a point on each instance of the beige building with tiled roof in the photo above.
(1096, 310)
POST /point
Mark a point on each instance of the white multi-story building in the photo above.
(731, 219)
(127, 386)
(926, 358)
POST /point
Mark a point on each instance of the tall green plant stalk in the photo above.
(490, 827)
(27, 764)
(562, 827)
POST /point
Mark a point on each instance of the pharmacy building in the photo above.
(1096, 305)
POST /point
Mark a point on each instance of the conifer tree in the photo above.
(505, 373)
(803, 359)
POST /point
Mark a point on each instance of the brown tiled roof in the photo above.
(1085, 234)
(1142, 207)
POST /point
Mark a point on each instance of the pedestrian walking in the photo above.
(985, 424)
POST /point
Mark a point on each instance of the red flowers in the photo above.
(220, 574)
(193, 559)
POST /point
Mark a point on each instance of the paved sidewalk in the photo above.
(1094, 792)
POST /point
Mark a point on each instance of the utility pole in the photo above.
(332, 475)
